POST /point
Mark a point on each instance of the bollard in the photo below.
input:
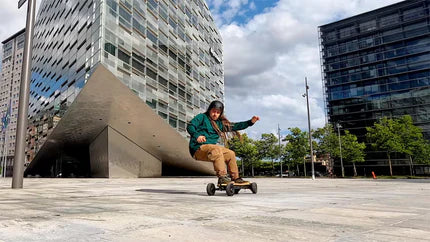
(374, 175)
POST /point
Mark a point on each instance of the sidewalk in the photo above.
(178, 209)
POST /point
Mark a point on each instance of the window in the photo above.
(368, 26)
(162, 81)
(123, 56)
(173, 122)
(389, 20)
(151, 73)
(412, 14)
(348, 31)
(110, 48)
(151, 36)
(124, 14)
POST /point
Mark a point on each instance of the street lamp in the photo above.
(309, 126)
(279, 139)
(24, 90)
(340, 148)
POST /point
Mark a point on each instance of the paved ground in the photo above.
(178, 209)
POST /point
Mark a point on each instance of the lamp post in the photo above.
(24, 89)
(279, 139)
(340, 149)
(309, 126)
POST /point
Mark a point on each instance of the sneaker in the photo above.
(240, 180)
(223, 180)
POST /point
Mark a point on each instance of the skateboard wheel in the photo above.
(254, 187)
(210, 189)
(230, 189)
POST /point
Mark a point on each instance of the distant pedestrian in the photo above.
(205, 130)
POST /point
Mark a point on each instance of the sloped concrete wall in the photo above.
(113, 155)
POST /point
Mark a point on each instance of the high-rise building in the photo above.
(13, 48)
(377, 64)
(167, 52)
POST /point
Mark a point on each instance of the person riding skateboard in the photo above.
(205, 130)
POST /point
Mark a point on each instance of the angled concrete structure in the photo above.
(123, 136)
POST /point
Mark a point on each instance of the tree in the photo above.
(246, 151)
(413, 141)
(297, 146)
(385, 136)
(267, 148)
(327, 142)
(286, 157)
(352, 151)
(422, 153)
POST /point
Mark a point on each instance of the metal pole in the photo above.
(279, 138)
(3, 174)
(310, 131)
(5, 151)
(2, 154)
(340, 149)
(21, 131)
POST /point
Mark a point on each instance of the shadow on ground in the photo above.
(169, 191)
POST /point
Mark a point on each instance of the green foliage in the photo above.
(414, 143)
(422, 153)
(399, 135)
(297, 146)
(327, 141)
(267, 147)
(352, 150)
(384, 135)
(245, 150)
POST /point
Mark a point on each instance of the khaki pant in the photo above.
(220, 156)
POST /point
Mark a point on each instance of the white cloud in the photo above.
(267, 59)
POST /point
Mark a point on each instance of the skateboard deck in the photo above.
(236, 184)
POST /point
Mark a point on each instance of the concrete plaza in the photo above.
(178, 209)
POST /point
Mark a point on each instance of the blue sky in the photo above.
(248, 9)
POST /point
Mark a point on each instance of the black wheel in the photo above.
(236, 191)
(210, 189)
(229, 189)
(254, 187)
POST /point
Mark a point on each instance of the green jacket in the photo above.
(201, 125)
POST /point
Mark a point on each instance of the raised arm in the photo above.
(243, 125)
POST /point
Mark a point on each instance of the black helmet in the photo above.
(216, 104)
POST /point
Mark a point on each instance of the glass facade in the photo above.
(168, 52)
(377, 64)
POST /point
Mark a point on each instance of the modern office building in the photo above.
(13, 48)
(168, 55)
(377, 64)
